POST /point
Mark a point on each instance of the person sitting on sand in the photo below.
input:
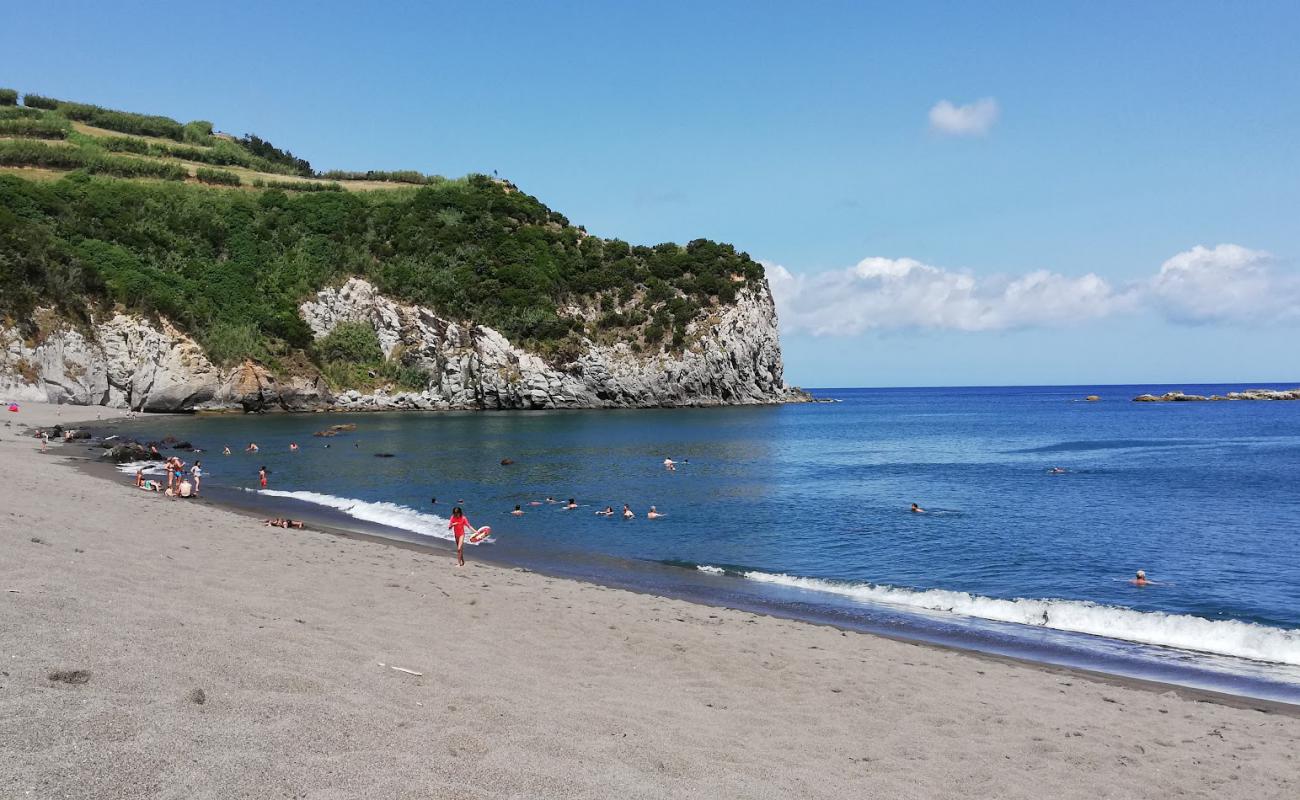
(653, 514)
(139, 479)
(917, 509)
(458, 523)
(184, 488)
(225, 451)
(608, 512)
(252, 447)
(151, 486)
(627, 512)
(518, 512)
(570, 505)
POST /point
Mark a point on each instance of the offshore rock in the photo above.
(1246, 394)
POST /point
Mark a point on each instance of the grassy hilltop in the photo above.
(225, 236)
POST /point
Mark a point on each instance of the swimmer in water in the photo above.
(518, 512)
(653, 514)
(917, 509)
(552, 500)
(261, 476)
(252, 447)
(1140, 579)
(627, 512)
(293, 447)
(225, 451)
(608, 512)
(1056, 471)
(570, 505)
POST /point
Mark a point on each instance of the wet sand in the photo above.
(220, 658)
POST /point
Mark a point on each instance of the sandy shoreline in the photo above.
(532, 686)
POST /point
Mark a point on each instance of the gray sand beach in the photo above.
(152, 648)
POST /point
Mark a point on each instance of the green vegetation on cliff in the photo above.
(230, 260)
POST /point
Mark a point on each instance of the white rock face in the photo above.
(735, 358)
(130, 362)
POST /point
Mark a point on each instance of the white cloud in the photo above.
(1227, 282)
(973, 119)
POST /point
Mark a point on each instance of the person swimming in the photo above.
(550, 499)
(293, 447)
(1140, 579)
(627, 512)
(518, 512)
(917, 509)
(252, 447)
(1056, 471)
(570, 505)
(608, 512)
(225, 451)
(653, 513)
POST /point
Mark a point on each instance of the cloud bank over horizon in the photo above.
(973, 119)
(1203, 285)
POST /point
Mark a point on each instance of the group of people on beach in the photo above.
(182, 481)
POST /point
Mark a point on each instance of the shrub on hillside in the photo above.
(35, 128)
(216, 176)
(388, 176)
(198, 131)
(20, 112)
(110, 119)
(8, 97)
(37, 101)
(297, 186)
(264, 149)
(352, 343)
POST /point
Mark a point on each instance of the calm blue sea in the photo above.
(803, 510)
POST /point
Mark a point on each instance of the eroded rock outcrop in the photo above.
(732, 356)
(130, 362)
(1245, 394)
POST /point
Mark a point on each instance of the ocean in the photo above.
(804, 511)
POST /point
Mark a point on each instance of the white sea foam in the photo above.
(390, 514)
(1183, 631)
(149, 467)
(710, 570)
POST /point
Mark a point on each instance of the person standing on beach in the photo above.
(458, 524)
(261, 476)
(197, 472)
(45, 441)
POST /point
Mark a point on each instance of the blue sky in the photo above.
(1115, 138)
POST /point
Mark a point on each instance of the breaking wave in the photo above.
(390, 514)
(1182, 631)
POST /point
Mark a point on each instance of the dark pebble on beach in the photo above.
(75, 677)
(198, 697)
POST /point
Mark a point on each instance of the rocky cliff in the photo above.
(732, 356)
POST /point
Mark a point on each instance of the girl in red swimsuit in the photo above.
(458, 524)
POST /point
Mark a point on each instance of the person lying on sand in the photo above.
(518, 512)
(608, 512)
(150, 485)
(282, 522)
(917, 509)
(627, 512)
(653, 514)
